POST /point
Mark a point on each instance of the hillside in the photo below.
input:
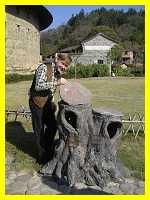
(125, 27)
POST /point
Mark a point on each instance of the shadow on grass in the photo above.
(24, 141)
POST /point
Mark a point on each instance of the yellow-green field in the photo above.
(123, 94)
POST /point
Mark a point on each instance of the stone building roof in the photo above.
(70, 48)
(105, 36)
(44, 16)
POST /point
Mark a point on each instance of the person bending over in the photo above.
(46, 79)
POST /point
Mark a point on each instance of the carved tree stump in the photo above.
(87, 144)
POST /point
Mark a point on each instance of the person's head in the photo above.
(62, 60)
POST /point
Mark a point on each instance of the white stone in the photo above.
(139, 191)
(34, 182)
(12, 175)
(16, 188)
(127, 188)
(24, 172)
(80, 185)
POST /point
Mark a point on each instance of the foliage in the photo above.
(118, 71)
(13, 78)
(131, 153)
(125, 27)
(100, 70)
(130, 71)
(115, 53)
(85, 71)
(137, 71)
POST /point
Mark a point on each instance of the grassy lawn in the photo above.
(123, 94)
(131, 152)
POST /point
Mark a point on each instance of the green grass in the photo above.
(131, 153)
(122, 94)
(20, 144)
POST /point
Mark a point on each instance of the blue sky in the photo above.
(61, 14)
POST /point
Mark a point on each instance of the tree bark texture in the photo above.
(87, 145)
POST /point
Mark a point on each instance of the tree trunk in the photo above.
(87, 144)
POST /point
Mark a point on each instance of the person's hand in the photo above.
(62, 81)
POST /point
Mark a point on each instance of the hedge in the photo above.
(13, 78)
(85, 71)
(129, 71)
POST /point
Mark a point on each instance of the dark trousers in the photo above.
(45, 127)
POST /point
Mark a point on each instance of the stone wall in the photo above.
(22, 40)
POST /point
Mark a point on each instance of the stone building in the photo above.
(127, 56)
(93, 50)
(22, 46)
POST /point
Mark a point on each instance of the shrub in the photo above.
(122, 72)
(70, 73)
(85, 71)
(131, 70)
(100, 70)
(138, 71)
(13, 78)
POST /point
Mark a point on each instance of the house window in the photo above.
(100, 61)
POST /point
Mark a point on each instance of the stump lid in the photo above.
(106, 111)
(75, 94)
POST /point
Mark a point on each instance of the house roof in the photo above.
(70, 48)
(44, 16)
(105, 36)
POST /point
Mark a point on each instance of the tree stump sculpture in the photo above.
(86, 148)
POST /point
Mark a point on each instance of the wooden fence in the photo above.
(132, 122)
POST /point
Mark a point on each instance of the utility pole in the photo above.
(75, 66)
